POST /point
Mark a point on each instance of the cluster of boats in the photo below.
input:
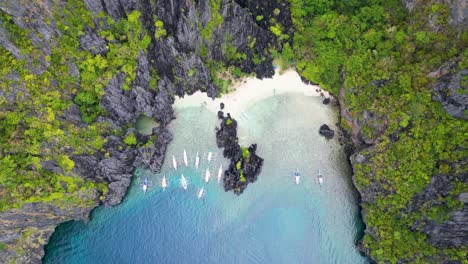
(145, 184)
(297, 177)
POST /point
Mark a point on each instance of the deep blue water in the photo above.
(274, 221)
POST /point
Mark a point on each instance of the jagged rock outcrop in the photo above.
(451, 93)
(245, 164)
(452, 232)
(458, 10)
(31, 226)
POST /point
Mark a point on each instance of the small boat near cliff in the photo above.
(297, 176)
(145, 184)
(197, 161)
(185, 158)
(207, 175)
(220, 172)
(174, 162)
(164, 183)
(320, 178)
(183, 182)
(209, 156)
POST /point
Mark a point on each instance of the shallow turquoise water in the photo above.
(274, 221)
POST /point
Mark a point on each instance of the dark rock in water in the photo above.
(245, 164)
(326, 101)
(221, 105)
(326, 131)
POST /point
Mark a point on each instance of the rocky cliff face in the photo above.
(439, 210)
(198, 34)
(458, 10)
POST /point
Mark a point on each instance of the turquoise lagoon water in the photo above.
(273, 221)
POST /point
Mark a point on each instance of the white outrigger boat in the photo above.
(197, 161)
(145, 184)
(297, 176)
(220, 172)
(320, 178)
(207, 175)
(174, 162)
(209, 156)
(183, 182)
(185, 158)
(201, 193)
(164, 183)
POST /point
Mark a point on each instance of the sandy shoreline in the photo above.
(250, 90)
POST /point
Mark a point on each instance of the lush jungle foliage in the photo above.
(380, 55)
(32, 127)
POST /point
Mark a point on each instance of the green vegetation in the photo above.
(345, 45)
(215, 21)
(130, 139)
(32, 130)
(159, 31)
(245, 153)
(239, 165)
(241, 176)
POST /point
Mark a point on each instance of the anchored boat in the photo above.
(209, 156)
(207, 175)
(183, 182)
(220, 172)
(197, 161)
(297, 176)
(185, 158)
(174, 162)
(145, 184)
(201, 193)
(320, 178)
(164, 183)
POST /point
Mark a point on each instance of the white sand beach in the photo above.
(250, 90)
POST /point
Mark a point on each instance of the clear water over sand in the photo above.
(273, 221)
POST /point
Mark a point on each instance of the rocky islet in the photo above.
(245, 165)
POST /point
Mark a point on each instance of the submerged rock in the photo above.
(245, 164)
(326, 131)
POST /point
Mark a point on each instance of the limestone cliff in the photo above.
(189, 42)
